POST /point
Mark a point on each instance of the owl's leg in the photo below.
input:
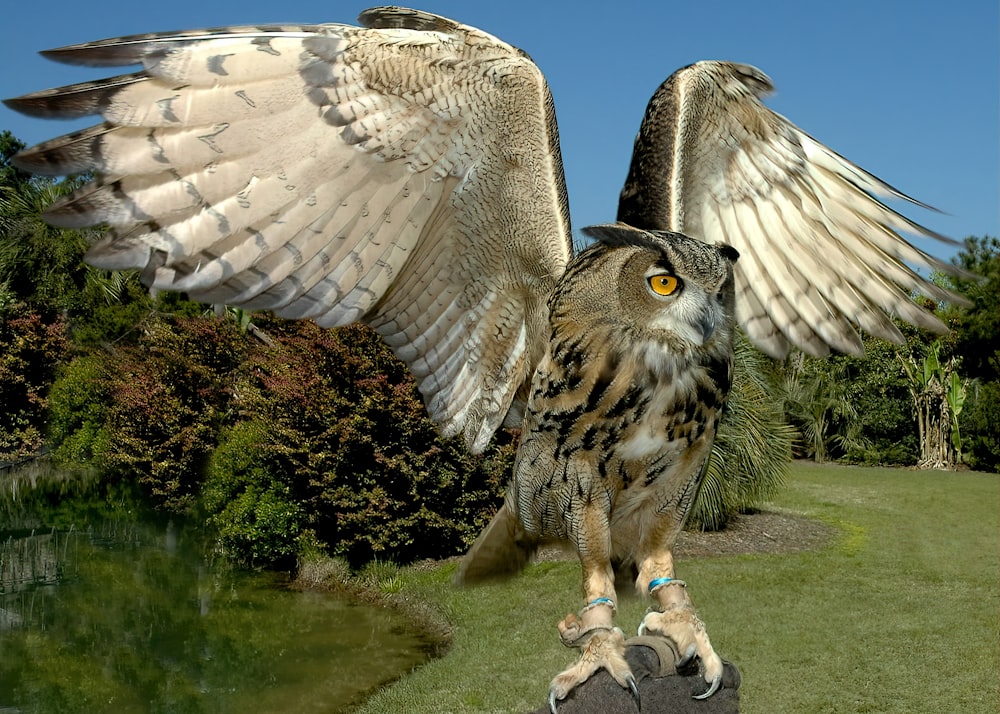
(601, 644)
(673, 616)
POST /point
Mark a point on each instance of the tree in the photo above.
(938, 394)
(977, 326)
(10, 175)
(977, 346)
(817, 401)
(753, 446)
(40, 265)
(980, 421)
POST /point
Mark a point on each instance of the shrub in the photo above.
(980, 425)
(30, 352)
(249, 502)
(169, 394)
(338, 435)
(319, 440)
(878, 390)
(150, 411)
(78, 405)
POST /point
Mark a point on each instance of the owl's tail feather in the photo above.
(501, 550)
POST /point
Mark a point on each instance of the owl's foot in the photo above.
(600, 648)
(679, 623)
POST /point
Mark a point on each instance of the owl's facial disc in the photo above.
(692, 316)
(696, 323)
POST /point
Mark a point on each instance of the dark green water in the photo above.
(107, 607)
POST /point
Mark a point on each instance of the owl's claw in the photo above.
(680, 624)
(633, 689)
(688, 656)
(713, 687)
(600, 648)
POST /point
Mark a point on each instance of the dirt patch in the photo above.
(758, 532)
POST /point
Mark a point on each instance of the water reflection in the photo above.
(105, 606)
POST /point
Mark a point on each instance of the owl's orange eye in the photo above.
(663, 284)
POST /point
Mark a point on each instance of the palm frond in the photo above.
(753, 446)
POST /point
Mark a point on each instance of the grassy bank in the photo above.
(898, 614)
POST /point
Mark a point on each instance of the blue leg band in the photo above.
(653, 584)
(660, 582)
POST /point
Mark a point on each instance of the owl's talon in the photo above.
(600, 648)
(713, 687)
(634, 690)
(681, 625)
(688, 657)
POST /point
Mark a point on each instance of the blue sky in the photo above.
(908, 90)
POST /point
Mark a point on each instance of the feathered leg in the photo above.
(673, 616)
(601, 644)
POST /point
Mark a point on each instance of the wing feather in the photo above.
(334, 173)
(822, 254)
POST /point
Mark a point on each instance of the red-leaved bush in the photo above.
(30, 352)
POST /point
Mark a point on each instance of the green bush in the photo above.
(78, 405)
(250, 503)
(883, 407)
(980, 425)
(149, 412)
(334, 445)
(30, 352)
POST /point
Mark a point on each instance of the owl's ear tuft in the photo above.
(616, 234)
(728, 252)
(622, 234)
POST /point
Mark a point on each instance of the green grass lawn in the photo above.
(898, 614)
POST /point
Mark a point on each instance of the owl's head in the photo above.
(657, 285)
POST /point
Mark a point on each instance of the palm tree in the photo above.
(818, 403)
(753, 446)
(39, 264)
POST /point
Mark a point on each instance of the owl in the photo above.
(620, 416)
(407, 174)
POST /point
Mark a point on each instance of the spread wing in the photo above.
(335, 173)
(819, 252)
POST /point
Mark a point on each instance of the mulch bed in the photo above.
(758, 532)
(772, 532)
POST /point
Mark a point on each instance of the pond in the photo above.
(106, 605)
